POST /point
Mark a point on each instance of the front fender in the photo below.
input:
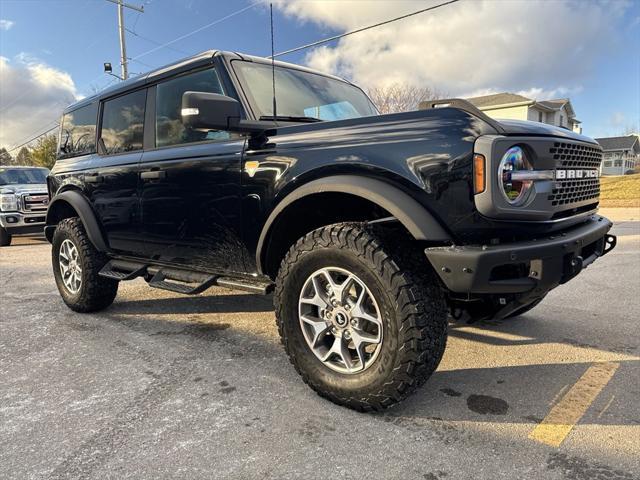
(413, 216)
(59, 210)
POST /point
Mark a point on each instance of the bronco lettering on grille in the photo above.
(576, 173)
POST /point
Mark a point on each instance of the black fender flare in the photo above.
(420, 223)
(81, 205)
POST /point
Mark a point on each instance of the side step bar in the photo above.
(122, 270)
(188, 283)
(178, 280)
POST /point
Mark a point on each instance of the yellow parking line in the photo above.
(570, 409)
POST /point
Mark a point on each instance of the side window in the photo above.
(78, 132)
(123, 123)
(169, 127)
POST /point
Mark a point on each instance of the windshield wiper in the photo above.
(290, 118)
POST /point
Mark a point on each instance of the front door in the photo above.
(190, 185)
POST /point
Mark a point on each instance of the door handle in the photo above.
(93, 178)
(153, 175)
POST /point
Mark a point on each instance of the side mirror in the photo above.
(212, 111)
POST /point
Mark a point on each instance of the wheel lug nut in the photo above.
(354, 322)
(347, 335)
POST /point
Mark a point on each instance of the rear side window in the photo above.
(169, 127)
(123, 123)
(78, 132)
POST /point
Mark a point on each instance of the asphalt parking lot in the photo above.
(166, 386)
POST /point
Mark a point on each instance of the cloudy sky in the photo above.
(51, 52)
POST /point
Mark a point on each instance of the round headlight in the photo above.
(513, 161)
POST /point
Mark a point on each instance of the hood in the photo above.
(520, 127)
(24, 188)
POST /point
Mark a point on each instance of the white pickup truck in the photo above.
(23, 201)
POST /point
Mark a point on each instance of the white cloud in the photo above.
(6, 24)
(468, 47)
(618, 119)
(32, 96)
(537, 93)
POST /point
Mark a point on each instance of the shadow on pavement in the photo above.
(198, 304)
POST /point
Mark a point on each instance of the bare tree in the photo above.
(23, 157)
(5, 157)
(402, 97)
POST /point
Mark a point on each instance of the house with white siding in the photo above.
(507, 105)
(620, 155)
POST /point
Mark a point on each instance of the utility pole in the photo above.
(123, 46)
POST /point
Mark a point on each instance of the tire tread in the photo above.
(419, 304)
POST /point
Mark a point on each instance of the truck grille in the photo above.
(34, 202)
(574, 192)
(576, 155)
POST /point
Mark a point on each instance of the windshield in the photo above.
(302, 94)
(16, 176)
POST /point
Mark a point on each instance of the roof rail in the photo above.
(464, 105)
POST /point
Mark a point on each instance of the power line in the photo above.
(193, 32)
(335, 37)
(164, 45)
(34, 138)
(177, 50)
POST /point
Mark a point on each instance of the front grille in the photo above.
(568, 154)
(34, 202)
(573, 192)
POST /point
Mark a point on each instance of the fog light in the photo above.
(11, 220)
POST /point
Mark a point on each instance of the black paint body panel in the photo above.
(209, 210)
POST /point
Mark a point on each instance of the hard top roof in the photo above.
(185, 64)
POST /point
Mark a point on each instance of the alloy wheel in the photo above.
(340, 320)
(70, 267)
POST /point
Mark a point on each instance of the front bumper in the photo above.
(16, 223)
(534, 266)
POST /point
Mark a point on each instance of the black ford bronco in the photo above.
(225, 169)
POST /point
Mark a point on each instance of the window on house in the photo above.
(78, 132)
(561, 121)
(123, 123)
(169, 127)
(617, 163)
(540, 115)
(607, 163)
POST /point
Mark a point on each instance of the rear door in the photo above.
(112, 182)
(190, 183)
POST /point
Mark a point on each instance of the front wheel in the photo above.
(364, 323)
(76, 264)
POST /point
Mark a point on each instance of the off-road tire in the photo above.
(410, 299)
(5, 238)
(96, 292)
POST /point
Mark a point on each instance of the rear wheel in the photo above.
(363, 323)
(76, 264)
(5, 238)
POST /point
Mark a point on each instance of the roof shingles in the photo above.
(504, 98)
(619, 143)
